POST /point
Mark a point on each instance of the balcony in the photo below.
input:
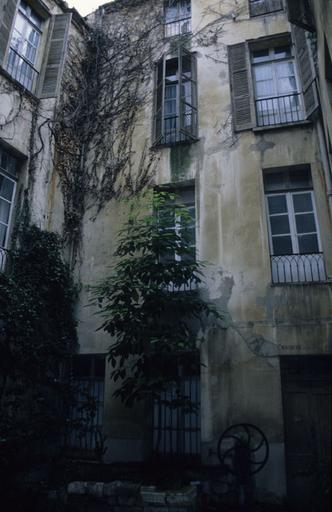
(298, 268)
(22, 70)
(280, 110)
(178, 27)
(172, 134)
(261, 7)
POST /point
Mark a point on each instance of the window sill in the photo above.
(277, 11)
(17, 84)
(160, 145)
(302, 283)
(259, 129)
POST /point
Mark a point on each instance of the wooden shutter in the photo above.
(240, 86)
(306, 70)
(188, 102)
(299, 13)
(56, 55)
(159, 101)
(7, 15)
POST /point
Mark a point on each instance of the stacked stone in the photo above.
(120, 496)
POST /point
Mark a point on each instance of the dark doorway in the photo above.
(307, 391)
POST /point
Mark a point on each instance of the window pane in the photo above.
(308, 244)
(302, 202)
(260, 55)
(305, 223)
(282, 52)
(300, 178)
(171, 69)
(4, 211)
(282, 245)
(277, 204)
(263, 72)
(6, 188)
(279, 224)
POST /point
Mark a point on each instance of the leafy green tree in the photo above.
(151, 303)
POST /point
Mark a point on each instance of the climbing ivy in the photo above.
(37, 336)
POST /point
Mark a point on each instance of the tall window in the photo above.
(277, 93)
(176, 431)
(177, 17)
(259, 7)
(88, 378)
(8, 170)
(176, 99)
(172, 220)
(293, 229)
(24, 45)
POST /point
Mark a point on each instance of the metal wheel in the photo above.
(251, 439)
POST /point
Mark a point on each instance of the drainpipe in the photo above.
(325, 161)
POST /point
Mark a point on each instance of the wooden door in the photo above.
(307, 392)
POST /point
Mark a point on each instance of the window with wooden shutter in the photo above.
(7, 12)
(175, 114)
(240, 86)
(306, 70)
(56, 56)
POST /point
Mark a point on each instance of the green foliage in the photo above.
(150, 304)
(37, 335)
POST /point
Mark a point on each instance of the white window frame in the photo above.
(292, 219)
(29, 77)
(276, 110)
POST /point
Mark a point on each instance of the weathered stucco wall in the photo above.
(240, 376)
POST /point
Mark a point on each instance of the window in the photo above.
(258, 7)
(277, 96)
(23, 54)
(8, 174)
(328, 69)
(176, 99)
(24, 46)
(177, 17)
(170, 215)
(293, 229)
(282, 90)
(176, 431)
(86, 416)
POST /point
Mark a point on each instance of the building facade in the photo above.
(236, 118)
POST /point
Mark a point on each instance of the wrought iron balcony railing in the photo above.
(171, 125)
(178, 27)
(259, 7)
(22, 70)
(280, 110)
(298, 268)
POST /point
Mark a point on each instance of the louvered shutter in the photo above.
(240, 86)
(159, 102)
(306, 70)
(299, 13)
(7, 15)
(188, 93)
(56, 55)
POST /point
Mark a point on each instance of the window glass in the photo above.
(282, 245)
(6, 188)
(308, 244)
(277, 204)
(280, 224)
(260, 55)
(302, 202)
(305, 223)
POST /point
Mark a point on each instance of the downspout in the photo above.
(325, 161)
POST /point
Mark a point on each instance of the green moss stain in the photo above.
(180, 162)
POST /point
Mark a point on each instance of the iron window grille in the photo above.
(261, 7)
(177, 17)
(86, 414)
(176, 429)
(277, 96)
(296, 253)
(24, 47)
(175, 118)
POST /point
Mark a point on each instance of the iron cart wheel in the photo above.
(250, 438)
